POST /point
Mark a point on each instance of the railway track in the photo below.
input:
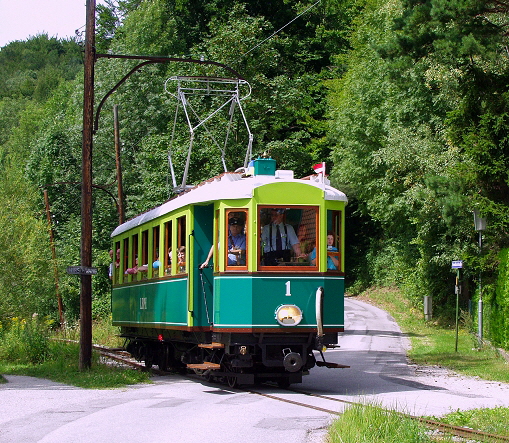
(459, 431)
(471, 435)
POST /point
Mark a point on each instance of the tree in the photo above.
(26, 280)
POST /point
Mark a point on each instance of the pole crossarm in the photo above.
(148, 61)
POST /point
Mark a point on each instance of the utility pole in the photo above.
(120, 191)
(86, 190)
(480, 225)
(54, 259)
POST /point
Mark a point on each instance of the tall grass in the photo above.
(25, 341)
(371, 423)
(103, 333)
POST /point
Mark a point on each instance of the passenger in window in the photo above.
(236, 242)
(156, 264)
(181, 259)
(332, 258)
(168, 264)
(134, 269)
(110, 270)
(278, 240)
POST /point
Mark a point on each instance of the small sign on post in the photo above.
(457, 264)
(81, 270)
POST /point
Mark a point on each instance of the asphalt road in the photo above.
(178, 409)
(376, 351)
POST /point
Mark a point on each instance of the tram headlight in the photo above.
(288, 315)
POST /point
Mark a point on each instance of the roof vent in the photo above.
(264, 166)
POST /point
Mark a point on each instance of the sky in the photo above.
(21, 19)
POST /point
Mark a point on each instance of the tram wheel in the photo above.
(232, 380)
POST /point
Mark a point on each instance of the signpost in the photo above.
(457, 264)
(81, 270)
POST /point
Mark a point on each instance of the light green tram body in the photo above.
(251, 302)
(225, 299)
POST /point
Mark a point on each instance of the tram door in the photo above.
(202, 279)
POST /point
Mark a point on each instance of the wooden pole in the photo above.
(86, 190)
(116, 131)
(54, 257)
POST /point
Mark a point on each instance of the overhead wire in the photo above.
(279, 30)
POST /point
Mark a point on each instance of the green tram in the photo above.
(252, 311)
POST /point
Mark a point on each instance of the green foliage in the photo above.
(108, 18)
(30, 347)
(34, 68)
(25, 341)
(9, 115)
(26, 278)
(41, 100)
(499, 305)
(420, 141)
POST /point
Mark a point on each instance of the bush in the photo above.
(497, 311)
(23, 341)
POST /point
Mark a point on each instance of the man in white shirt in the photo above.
(279, 239)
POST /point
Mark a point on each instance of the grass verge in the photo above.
(63, 367)
(435, 344)
(26, 349)
(371, 423)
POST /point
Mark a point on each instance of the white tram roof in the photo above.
(230, 186)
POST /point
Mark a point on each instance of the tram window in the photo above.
(133, 255)
(167, 248)
(236, 230)
(333, 240)
(287, 235)
(143, 258)
(125, 255)
(181, 245)
(156, 263)
(116, 266)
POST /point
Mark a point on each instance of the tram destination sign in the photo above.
(81, 270)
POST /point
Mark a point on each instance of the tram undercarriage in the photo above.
(235, 358)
